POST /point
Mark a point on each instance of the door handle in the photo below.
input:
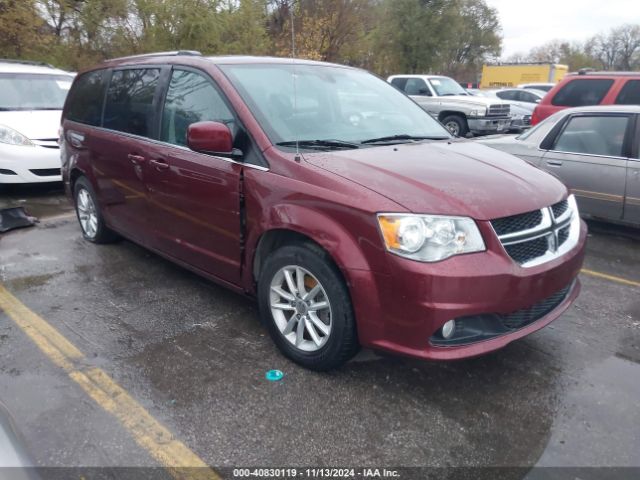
(159, 163)
(554, 163)
(136, 159)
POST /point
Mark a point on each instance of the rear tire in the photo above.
(312, 321)
(456, 124)
(88, 213)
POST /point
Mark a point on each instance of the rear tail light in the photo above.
(535, 116)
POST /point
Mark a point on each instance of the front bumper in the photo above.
(413, 303)
(486, 125)
(19, 164)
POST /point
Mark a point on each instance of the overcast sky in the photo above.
(528, 24)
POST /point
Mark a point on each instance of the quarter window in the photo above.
(84, 104)
(130, 106)
(594, 135)
(630, 93)
(191, 98)
(582, 92)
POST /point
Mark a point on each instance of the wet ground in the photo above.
(194, 355)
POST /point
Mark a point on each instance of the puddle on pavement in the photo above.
(31, 281)
(602, 409)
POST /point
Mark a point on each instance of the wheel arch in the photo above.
(302, 225)
(446, 113)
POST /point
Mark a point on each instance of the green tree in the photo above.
(23, 33)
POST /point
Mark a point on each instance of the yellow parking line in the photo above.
(613, 278)
(150, 434)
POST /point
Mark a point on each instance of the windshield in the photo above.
(446, 86)
(330, 103)
(27, 91)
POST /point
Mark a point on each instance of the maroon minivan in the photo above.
(350, 213)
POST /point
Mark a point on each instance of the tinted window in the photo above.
(527, 97)
(399, 83)
(579, 92)
(630, 93)
(191, 98)
(416, 86)
(508, 95)
(129, 106)
(595, 135)
(85, 100)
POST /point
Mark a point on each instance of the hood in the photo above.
(33, 124)
(452, 178)
(470, 100)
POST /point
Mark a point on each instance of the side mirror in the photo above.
(424, 91)
(210, 137)
(537, 100)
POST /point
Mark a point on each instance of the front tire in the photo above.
(305, 304)
(456, 124)
(88, 212)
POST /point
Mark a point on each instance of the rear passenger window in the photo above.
(191, 98)
(508, 95)
(581, 92)
(129, 106)
(630, 93)
(84, 104)
(594, 135)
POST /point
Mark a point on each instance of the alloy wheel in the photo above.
(87, 214)
(300, 308)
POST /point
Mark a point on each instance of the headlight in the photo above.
(429, 238)
(10, 136)
(481, 112)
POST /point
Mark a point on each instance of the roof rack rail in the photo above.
(35, 63)
(604, 73)
(192, 53)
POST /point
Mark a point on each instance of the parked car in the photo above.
(587, 88)
(523, 97)
(520, 111)
(447, 101)
(594, 151)
(31, 100)
(352, 215)
(545, 87)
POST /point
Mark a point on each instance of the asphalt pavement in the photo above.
(194, 356)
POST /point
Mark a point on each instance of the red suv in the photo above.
(588, 88)
(352, 215)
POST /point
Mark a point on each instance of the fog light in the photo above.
(448, 329)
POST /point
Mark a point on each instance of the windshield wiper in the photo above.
(319, 144)
(401, 137)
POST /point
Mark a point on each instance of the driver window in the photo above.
(191, 98)
(417, 86)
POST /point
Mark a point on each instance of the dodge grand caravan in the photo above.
(352, 215)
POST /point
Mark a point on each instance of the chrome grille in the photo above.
(559, 208)
(535, 237)
(516, 223)
(499, 110)
(526, 251)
